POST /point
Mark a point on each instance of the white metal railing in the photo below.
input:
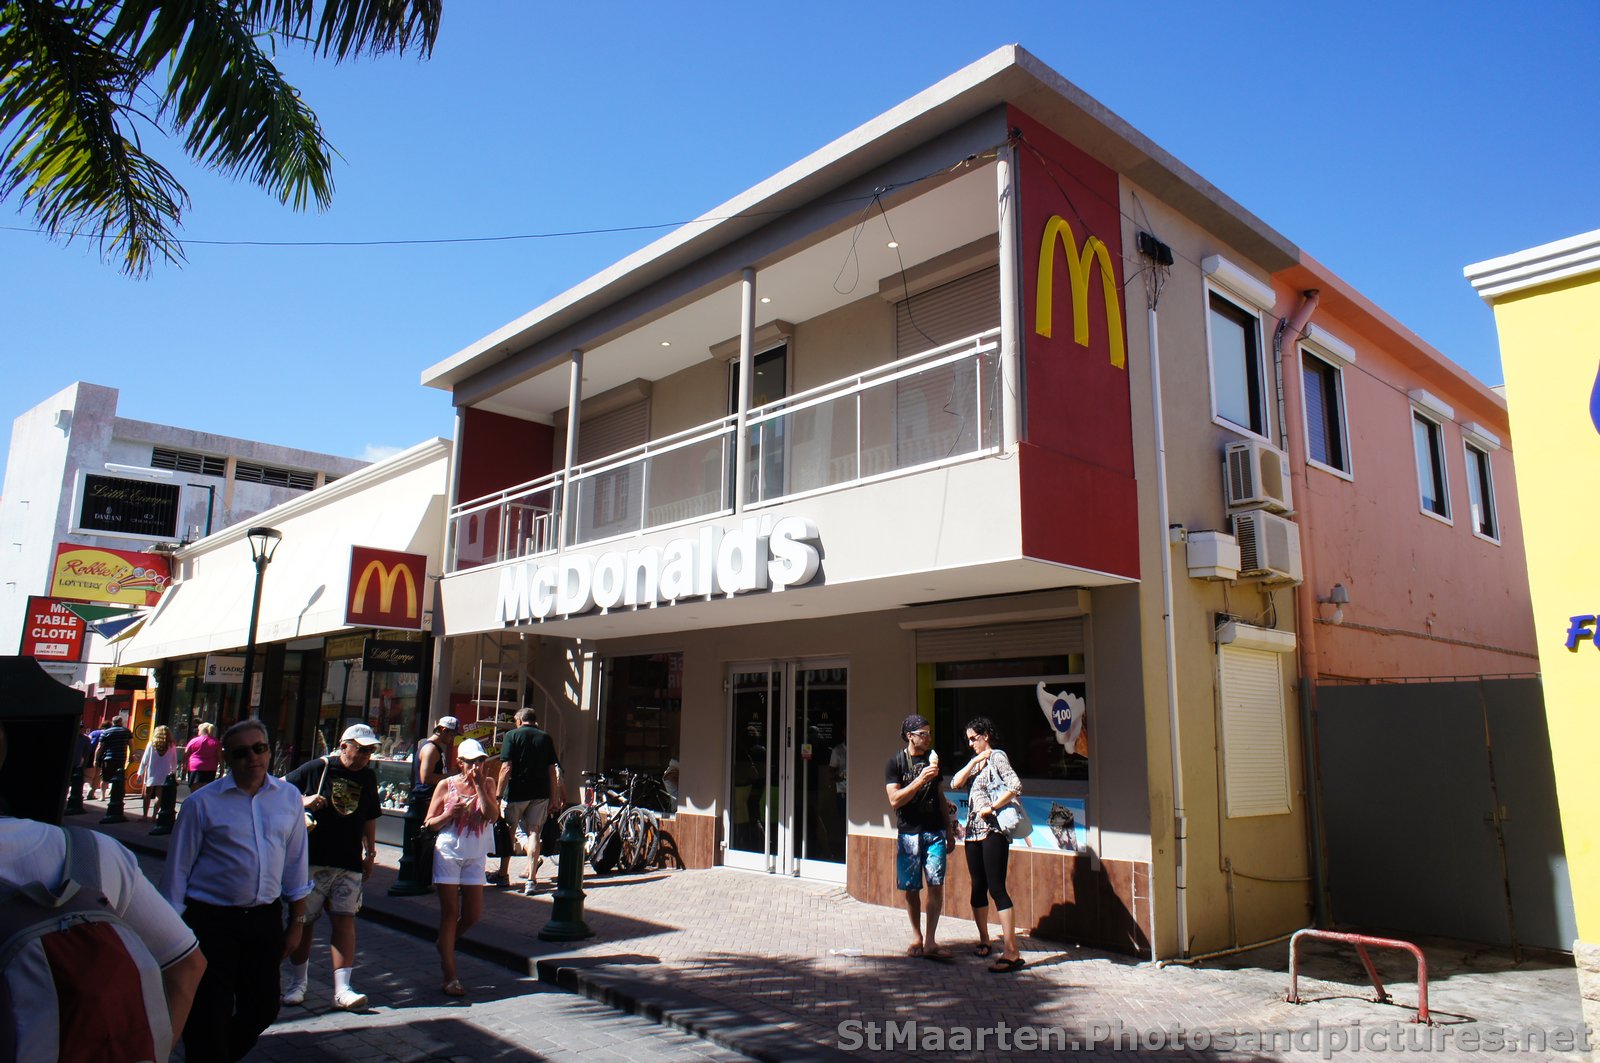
(938, 406)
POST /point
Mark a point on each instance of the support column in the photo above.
(747, 342)
(574, 400)
(1011, 423)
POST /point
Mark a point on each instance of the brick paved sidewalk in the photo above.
(772, 967)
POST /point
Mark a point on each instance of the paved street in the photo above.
(503, 1017)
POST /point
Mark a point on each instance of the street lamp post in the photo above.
(263, 544)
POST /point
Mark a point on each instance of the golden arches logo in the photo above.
(1078, 265)
(388, 579)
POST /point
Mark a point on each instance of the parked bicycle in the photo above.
(621, 827)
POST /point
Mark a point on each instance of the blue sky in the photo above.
(1395, 142)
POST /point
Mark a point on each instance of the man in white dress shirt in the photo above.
(238, 852)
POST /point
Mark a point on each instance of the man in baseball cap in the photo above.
(340, 795)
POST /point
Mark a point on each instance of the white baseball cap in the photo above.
(471, 749)
(450, 723)
(360, 734)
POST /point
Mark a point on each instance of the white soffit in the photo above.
(1480, 435)
(1544, 264)
(1227, 275)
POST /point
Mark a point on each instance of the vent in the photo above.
(245, 472)
(1269, 547)
(1258, 475)
(187, 461)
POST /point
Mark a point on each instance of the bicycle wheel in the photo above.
(589, 823)
(634, 827)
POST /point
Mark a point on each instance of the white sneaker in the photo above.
(349, 1000)
(295, 994)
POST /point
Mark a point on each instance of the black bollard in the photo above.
(415, 877)
(75, 793)
(167, 806)
(114, 804)
(566, 914)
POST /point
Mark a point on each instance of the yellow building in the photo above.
(1547, 307)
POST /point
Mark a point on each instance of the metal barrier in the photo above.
(1361, 941)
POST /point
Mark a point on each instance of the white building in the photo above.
(80, 476)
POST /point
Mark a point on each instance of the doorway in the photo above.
(787, 774)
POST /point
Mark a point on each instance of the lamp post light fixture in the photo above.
(263, 544)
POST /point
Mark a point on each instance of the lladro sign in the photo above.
(761, 554)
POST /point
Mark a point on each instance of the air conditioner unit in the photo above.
(1258, 475)
(1269, 547)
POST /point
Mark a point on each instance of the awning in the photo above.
(397, 504)
(111, 627)
(93, 614)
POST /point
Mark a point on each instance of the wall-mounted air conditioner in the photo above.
(1258, 475)
(1269, 547)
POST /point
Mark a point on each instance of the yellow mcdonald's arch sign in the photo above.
(389, 577)
(1079, 262)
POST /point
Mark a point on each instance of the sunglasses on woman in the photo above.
(240, 752)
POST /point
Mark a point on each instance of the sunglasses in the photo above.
(918, 734)
(240, 752)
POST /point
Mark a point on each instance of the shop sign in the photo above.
(123, 679)
(762, 554)
(51, 631)
(384, 655)
(385, 588)
(129, 507)
(94, 574)
(223, 669)
(345, 646)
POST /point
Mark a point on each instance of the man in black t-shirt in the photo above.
(112, 751)
(341, 798)
(927, 833)
(528, 780)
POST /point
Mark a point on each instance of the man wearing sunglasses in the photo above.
(238, 852)
(926, 831)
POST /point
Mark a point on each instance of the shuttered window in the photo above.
(1255, 741)
(1047, 638)
(613, 431)
(948, 313)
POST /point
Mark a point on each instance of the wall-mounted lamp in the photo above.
(1338, 598)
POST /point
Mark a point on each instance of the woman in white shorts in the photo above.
(463, 811)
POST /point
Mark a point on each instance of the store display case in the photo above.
(394, 791)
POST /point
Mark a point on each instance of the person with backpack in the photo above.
(238, 853)
(75, 905)
(341, 797)
(111, 750)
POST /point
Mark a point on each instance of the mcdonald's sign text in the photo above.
(386, 588)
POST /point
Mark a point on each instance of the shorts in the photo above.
(336, 888)
(921, 853)
(527, 819)
(448, 871)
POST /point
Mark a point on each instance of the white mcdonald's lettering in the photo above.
(760, 554)
(1078, 264)
(388, 577)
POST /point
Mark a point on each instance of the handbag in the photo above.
(1011, 820)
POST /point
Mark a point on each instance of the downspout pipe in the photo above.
(1291, 423)
(1180, 819)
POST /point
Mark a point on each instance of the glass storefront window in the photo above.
(641, 707)
(1006, 691)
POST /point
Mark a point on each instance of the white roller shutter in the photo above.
(1047, 638)
(1255, 740)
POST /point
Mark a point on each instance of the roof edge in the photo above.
(1556, 261)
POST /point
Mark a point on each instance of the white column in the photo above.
(1010, 377)
(574, 400)
(747, 341)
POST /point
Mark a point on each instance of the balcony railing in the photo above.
(932, 408)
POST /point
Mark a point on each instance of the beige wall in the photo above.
(1262, 846)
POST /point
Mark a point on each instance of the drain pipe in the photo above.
(1304, 601)
(1180, 820)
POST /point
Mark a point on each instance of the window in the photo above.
(1480, 493)
(1255, 743)
(185, 461)
(248, 472)
(641, 706)
(1236, 371)
(1432, 484)
(1326, 444)
(1006, 692)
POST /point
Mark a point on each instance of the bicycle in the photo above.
(620, 832)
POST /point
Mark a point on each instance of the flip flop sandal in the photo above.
(938, 952)
(453, 988)
(982, 950)
(914, 951)
(1005, 966)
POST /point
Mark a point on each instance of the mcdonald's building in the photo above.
(990, 407)
(350, 575)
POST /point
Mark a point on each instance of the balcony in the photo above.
(937, 407)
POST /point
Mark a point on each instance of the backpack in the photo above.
(76, 983)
